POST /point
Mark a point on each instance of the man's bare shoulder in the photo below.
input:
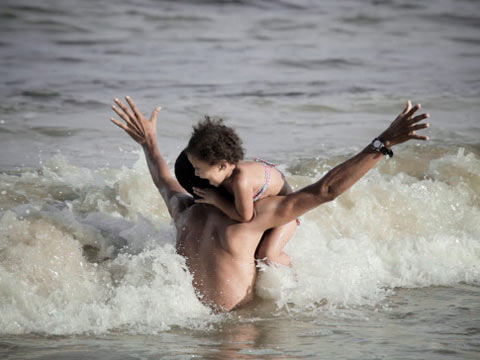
(179, 203)
(206, 218)
(195, 215)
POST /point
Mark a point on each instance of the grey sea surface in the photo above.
(389, 271)
(418, 324)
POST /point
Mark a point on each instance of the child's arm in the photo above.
(241, 209)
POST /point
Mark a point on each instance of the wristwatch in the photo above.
(378, 145)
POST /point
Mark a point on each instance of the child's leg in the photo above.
(271, 246)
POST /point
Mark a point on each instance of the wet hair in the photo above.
(213, 142)
(185, 174)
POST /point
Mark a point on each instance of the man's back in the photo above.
(220, 255)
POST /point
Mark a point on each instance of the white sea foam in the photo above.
(93, 250)
(387, 231)
(81, 265)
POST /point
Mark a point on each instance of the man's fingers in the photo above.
(119, 124)
(155, 113)
(418, 137)
(125, 109)
(407, 107)
(404, 111)
(134, 107)
(135, 121)
(138, 114)
(126, 118)
(130, 131)
(419, 127)
(122, 114)
(420, 117)
(412, 111)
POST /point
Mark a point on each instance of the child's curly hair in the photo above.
(212, 142)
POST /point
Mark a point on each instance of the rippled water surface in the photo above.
(391, 269)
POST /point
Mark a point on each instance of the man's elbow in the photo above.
(328, 193)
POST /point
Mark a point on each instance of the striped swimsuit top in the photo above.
(267, 165)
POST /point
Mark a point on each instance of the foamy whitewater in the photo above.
(88, 251)
(88, 268)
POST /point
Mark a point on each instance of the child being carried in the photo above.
(215, 151)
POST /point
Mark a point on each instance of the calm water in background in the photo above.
(87, 267)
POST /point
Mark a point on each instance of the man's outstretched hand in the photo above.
(405, 127)
(140, 129)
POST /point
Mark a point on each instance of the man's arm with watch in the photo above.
(277, 210)
(402, 129)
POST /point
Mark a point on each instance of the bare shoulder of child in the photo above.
(265, 179)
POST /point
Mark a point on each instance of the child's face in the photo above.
(215, 174)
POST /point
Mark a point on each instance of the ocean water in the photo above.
(88, 269)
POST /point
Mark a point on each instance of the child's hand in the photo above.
(207, 196)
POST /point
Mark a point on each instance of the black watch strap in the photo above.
(386, 151)
(379, 146)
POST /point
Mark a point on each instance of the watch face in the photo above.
(377, 144)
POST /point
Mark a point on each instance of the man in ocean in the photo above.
(219, 252)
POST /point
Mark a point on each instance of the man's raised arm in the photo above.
(276, 211)
(144, 132)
